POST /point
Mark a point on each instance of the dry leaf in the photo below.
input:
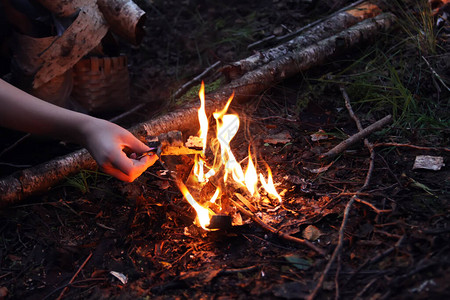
(311, 233)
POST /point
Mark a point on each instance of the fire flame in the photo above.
(202, 118)
(227, 127)
(251, 179)
(203, 214)
(269, 186)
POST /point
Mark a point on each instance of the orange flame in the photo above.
(251, 177)
(227, 127)
(202, 118)
(203, 214)
(269, 186)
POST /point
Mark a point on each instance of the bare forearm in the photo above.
(21, 111)
(104, 140)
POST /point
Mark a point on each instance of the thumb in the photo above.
(136, 145)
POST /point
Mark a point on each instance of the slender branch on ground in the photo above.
(74, 276)
(15, 144)
(366, 287)
(194, 81)
(337, 251)
(378, 211)
(436, 74)
(336, 278)
(127, 113)
(277, 232)
(437, 149)
(357, 137)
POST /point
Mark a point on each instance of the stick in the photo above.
(129, 112)
(15, 144)
(340, 245)
(194, 81)
(443, 149)
(277, 232)
(357, 137)
(74, 276)
(436, 74)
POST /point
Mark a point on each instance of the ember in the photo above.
(225, 172)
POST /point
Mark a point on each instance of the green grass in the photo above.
(390, 77)
(84, 181)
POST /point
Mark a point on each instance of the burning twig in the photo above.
(337, 251)
(246, 202)
(277, 232)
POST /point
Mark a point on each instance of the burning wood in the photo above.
(226, 173)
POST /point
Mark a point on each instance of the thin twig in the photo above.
(436, 74)
(74, 276)
(378, 211)
(277, 232)
(194, 81)
(340, 245)
(357, 137)
(412, 146)
(15, 144)
(128, 112)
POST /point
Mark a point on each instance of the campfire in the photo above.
(216, 173)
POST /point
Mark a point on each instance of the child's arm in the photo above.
(104, 140)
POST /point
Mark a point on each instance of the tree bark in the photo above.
(328, 27)
(40, 178)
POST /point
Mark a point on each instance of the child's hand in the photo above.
(106, 142)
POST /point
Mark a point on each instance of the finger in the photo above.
(121, 162)
(129, 171)
(135, 144)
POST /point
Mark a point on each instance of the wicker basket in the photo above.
(101, 84)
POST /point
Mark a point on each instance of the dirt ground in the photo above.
(94, 237)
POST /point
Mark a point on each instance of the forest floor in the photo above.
(94, 237)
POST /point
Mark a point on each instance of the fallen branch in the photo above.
(341, 147)
(302, 29)
(277, 232)
(183, 89)
(337, 251)
(437, 149)
(40, 178)
(319, 30)
(75, 276)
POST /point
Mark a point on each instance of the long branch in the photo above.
(277, 232)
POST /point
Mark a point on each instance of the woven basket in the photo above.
(101, 84)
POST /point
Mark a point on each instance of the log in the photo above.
(40, 178)
(328, 27)
(83, 35)
(63, 8)
(125, 18)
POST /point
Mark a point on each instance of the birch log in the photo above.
(125, 18)
(330, 26)
(83, 35)
(40, 178)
